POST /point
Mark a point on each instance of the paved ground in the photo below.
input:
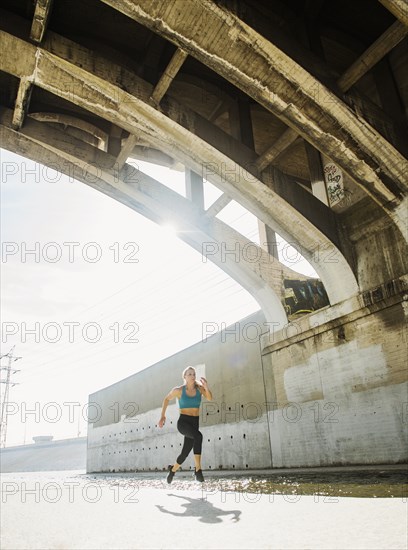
(64, 510)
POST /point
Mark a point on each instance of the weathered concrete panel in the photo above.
(359, 428)
(233, 424)
(380, 251)
(334, 395)
(341, 396)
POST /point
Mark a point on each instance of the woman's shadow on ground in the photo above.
(201, 509)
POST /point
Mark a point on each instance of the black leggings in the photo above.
(188, 426)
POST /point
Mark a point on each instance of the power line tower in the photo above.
(8, 383)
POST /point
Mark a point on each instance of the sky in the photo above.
(93, 292)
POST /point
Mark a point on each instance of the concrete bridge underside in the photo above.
(266, 100)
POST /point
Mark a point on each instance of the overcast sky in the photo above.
(122, 295)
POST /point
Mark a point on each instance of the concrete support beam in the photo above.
(240, 122)
(169, 75)
(22, 102)
(267, 240)
(245, 122)
(399, 8)
(40, 20)
(282, 86)
(280, 145)
(114, 140)
(218, 205)
(267, 235)
(219, 109)
(316, 174)
(126, 150)
(359, 68)
(233, 119)
(383, 45)
(194, 188)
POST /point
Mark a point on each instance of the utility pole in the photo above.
(8, 383)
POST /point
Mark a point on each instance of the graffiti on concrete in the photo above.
(333, 177)
(304, 296)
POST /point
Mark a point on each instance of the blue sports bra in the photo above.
(187, 402)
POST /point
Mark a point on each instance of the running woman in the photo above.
(189, 397)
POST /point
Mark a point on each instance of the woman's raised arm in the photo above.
(175, 392)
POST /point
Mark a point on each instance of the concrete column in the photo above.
(267, 239)
(241, 122)
(316, 173)
(241, 126)
(245, 122)
(194, 188)
(233, 116)
(114, 140)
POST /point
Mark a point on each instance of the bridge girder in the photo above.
(107, 94)
(209, 236)
(134, 113)
(273, 79)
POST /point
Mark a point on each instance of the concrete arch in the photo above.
(268, 75)
(109, 101)
(156, 202)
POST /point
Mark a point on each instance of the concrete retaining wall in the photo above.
(338, 392)
(233, 435)
(330, 389)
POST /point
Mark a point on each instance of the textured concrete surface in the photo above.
(89, 512)
(326, 391)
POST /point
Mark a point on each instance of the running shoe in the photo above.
(170, 475)
(199, 475)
